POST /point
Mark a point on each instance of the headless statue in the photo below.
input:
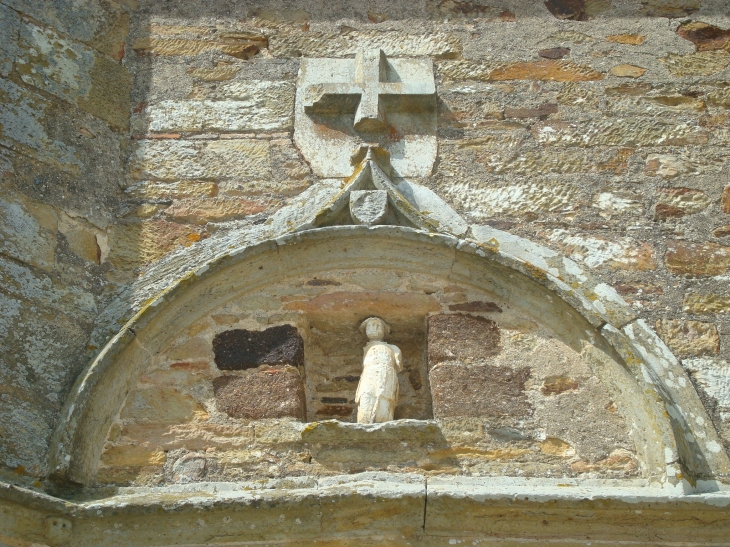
(377, 392)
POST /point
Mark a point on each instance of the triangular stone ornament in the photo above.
(370, 197)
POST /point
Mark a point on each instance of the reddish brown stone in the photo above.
(261, 393)
(558, 384)
(567, 9)
(554, 53)
(664, 211)
(670, 8)
(477, 306)
(464, 338)
(705, 37)
(241, 349)
(482, 390)
(726, 200)
(541, 111)
(684, 257)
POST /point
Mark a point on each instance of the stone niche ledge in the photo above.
(334, 432)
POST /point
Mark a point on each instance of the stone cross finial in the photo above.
(374, 79)
(387, 101)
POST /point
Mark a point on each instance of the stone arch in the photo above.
(663, 409)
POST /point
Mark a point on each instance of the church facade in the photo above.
(408, 273)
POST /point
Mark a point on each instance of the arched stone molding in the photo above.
(664, 409)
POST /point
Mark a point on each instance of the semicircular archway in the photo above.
(648, 387)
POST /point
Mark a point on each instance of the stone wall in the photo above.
(134, 133)
(63, 137)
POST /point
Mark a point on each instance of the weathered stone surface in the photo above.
(220, 73)
(154, 190)
(689, 338)
(9, 31)
(513, 199)
(637, 131)
(628, 71)
(322, 44)
(721, 97)
(132, 245)
(76, 73)
(241, 45)
(706, 37)
(726, 200)
(464, 338)
(202, 211)
(721, 231)
(552, 385)
(706, 303)
(670, 8)
(167, 160)
(622, 253)
(191, 467)
(476, 306)
(664, 165)
(630, 39)
(81, 237)
(22, 128)
(541, 111)
(160, 405)
(576, 10)
(251, 106)
(677, 202)
(703, 63)
(242, 349)
(697, 259)
(713, 377)
(28, 231)
(481, 390)
(104, 25)
(548, 70)
(261, 393)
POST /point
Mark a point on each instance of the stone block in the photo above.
(706, 303)
(479, 390)
(721, 231)
(636, 131)
(629, 39)
(261, 393)
(703, 63)
(133, 245)
(349, 43)
(463, 338)
(75, 73)
(704, 36)
(220, 73)
(154, 191)
(241, 349)
(28, 231)
(697, 259)
(246, 107)
(241, 45)
(689, 338)
(576, 10)
(171, 160)
(627, 71)
(554, 53)
(621, 253)
(547, 70)
(104, 25)
(219, 209)
(725, 200)
(160, 405)
(677, 202)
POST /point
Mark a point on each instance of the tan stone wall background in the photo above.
(599, 128)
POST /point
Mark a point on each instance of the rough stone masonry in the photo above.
(134, 135)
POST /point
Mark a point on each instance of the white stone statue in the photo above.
(377, 392)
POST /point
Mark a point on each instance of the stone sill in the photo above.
(337, 433)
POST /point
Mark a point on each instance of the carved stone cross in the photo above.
(375, 78)
(387, 101)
